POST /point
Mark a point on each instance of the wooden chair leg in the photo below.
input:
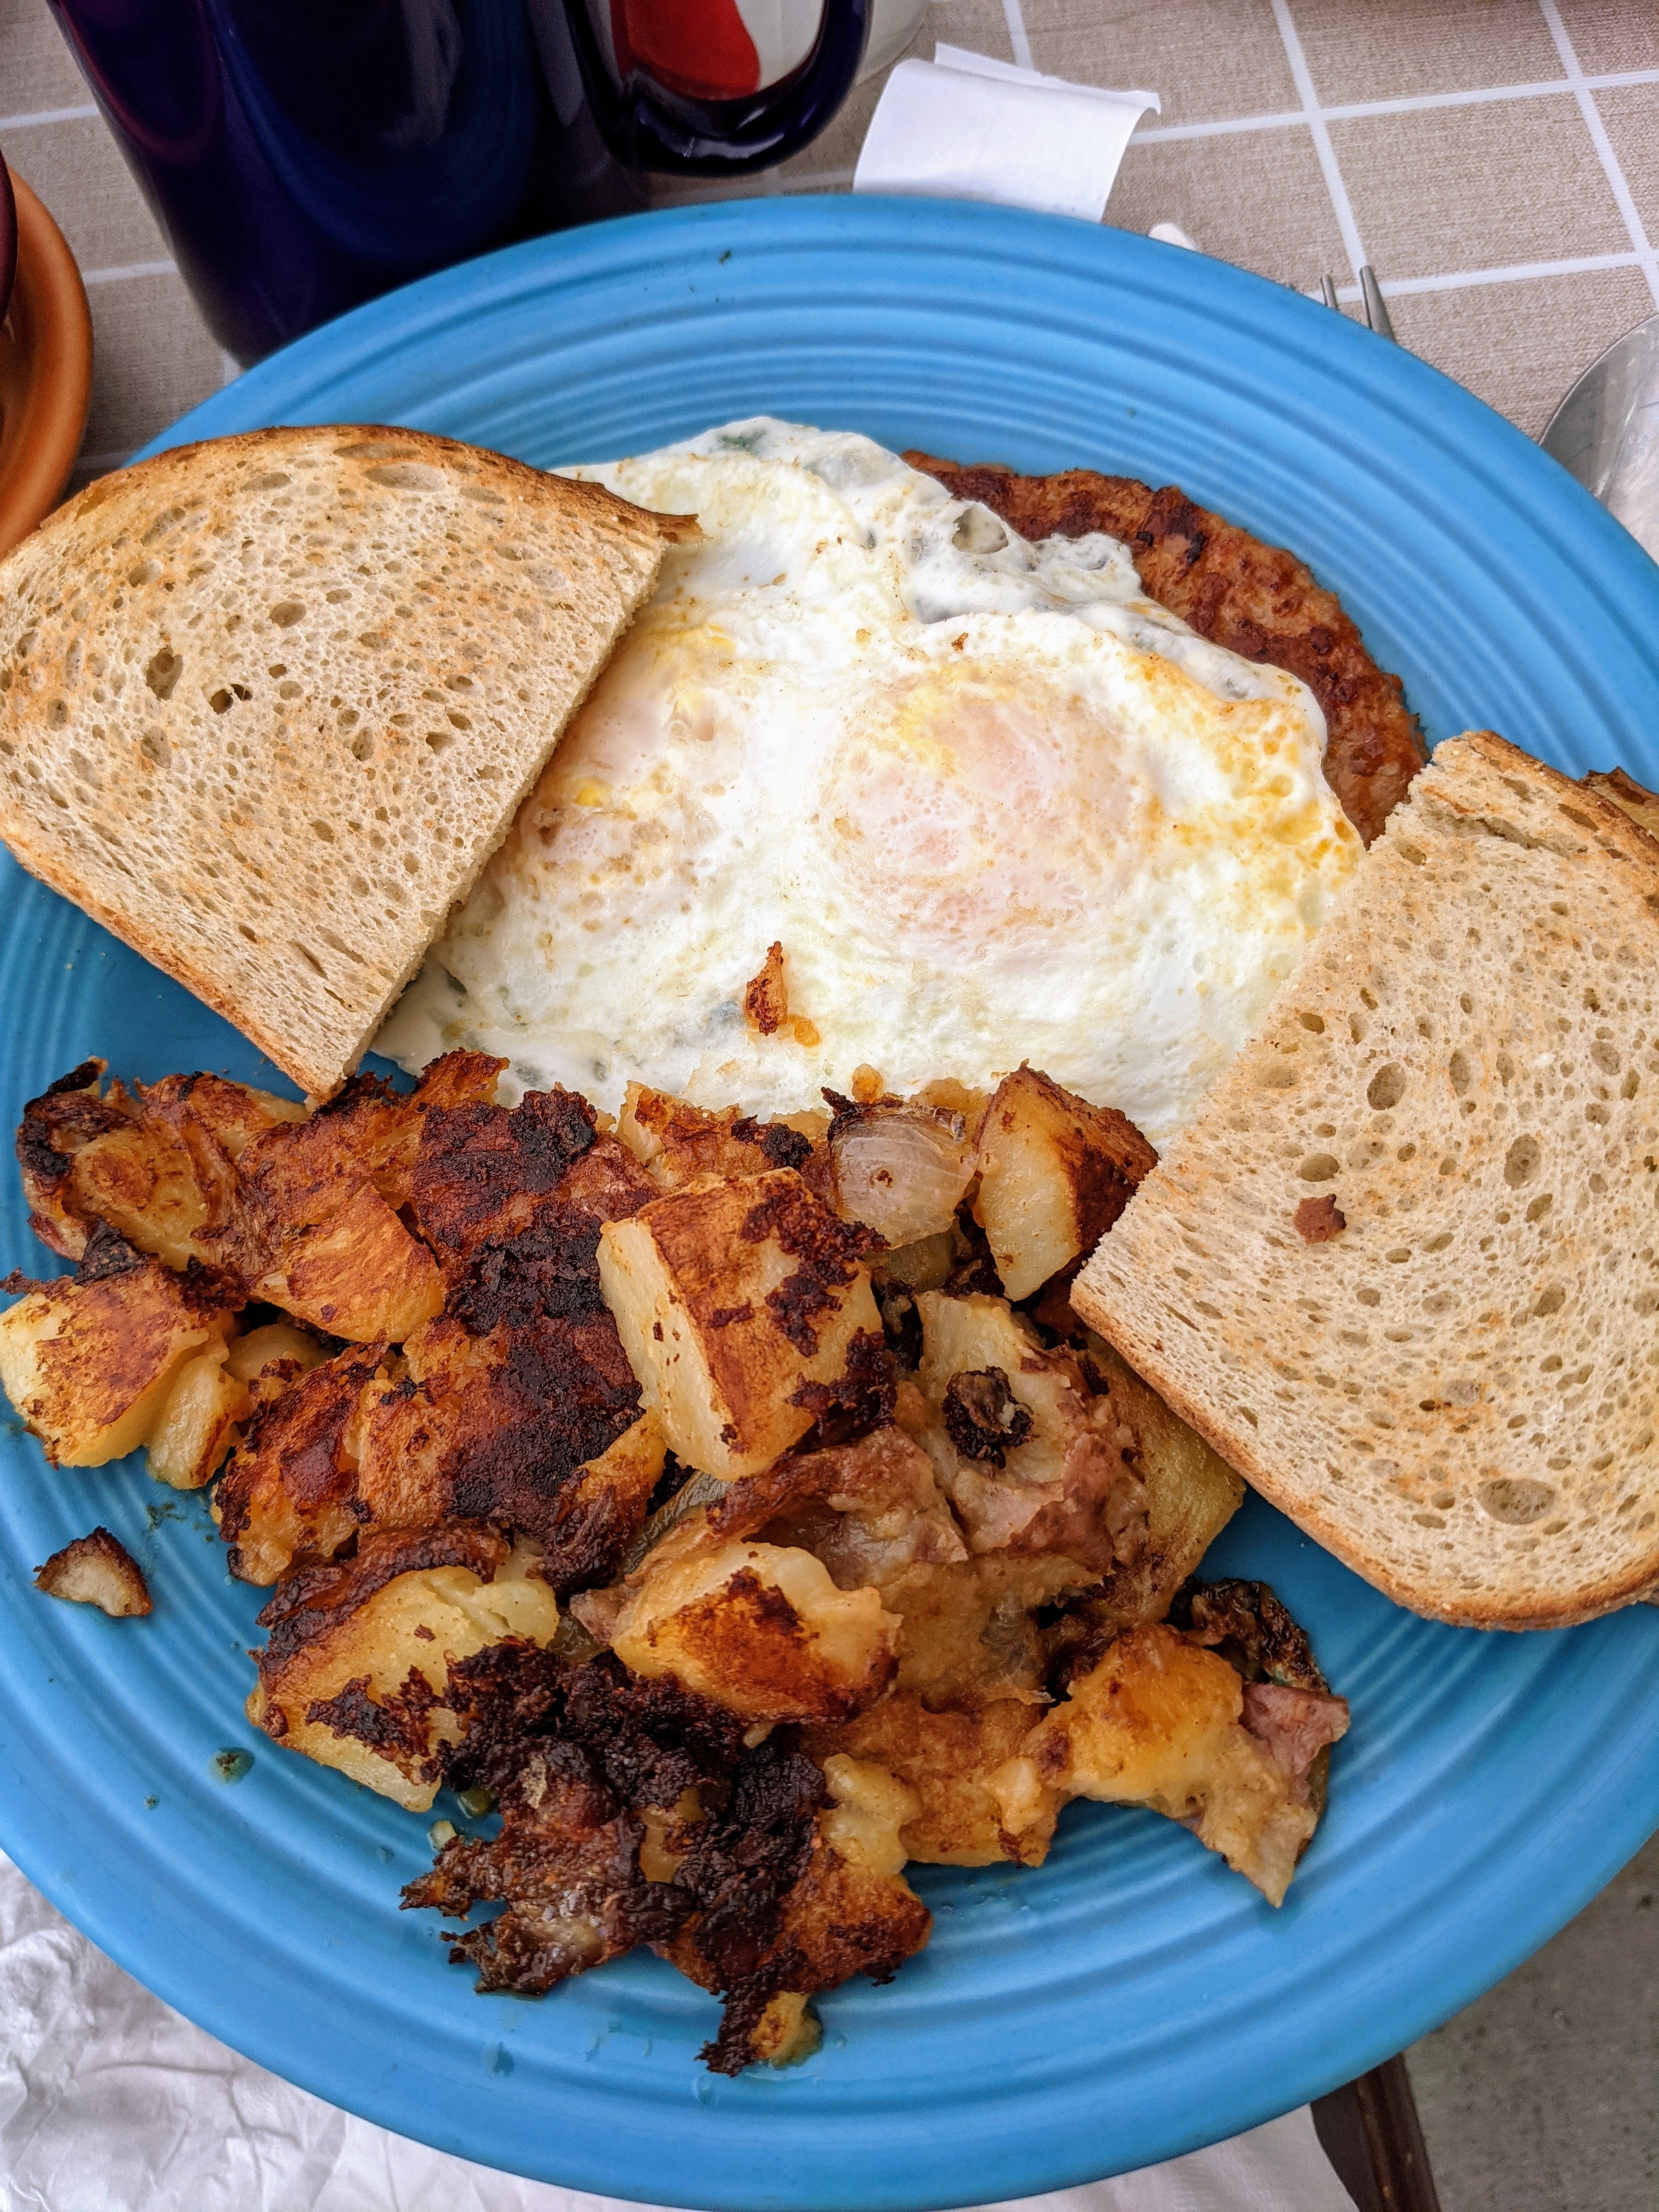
(1370, 2131)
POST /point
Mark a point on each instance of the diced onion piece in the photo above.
(902, 1170)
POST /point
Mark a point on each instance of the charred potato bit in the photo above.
(507, 1426)
(770, 1891)
(289, 1497)
(676, 1142)
(760, 1628)
(97, 1570)
(485, 1178)
(1160, 1722)
(730, 1297)
(356, 1670)
(91, 1361)
(1055, 1173)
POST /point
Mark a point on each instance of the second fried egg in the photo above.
(994, 805)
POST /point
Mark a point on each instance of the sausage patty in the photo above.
(1257, 600)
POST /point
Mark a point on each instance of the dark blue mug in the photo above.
(302, 155)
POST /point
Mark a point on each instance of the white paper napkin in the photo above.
(963, 127)
(110, 2102)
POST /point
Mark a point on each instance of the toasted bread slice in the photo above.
(268, 705)
(1402, 1270)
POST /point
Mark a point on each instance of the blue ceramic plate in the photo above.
(1133, 1998)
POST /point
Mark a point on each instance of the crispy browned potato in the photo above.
(515, 1425)
(288, 1495)
(354, 1673)
(1256, 600)
(485, 1179)
(198, 1423)
(758, 1628)
(1055, 1173)
(97, 1570)
(496, 1425)
(313, 1225)
(89, 1361)
(1160, 1722)
(677, 1142)
(969, 1812)
(847, 1910)
(733, 1299)
(156, 1166)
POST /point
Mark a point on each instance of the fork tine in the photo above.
(1328, 293)
(1377, 310)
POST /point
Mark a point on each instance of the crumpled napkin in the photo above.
(965, 127)
(112, 2102)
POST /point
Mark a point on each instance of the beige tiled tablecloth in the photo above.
(1497, 161)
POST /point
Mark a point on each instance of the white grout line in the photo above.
(1603, 144)
(1456, 280)
(48, 115)
(124, 272)
(1302, 77)
(1416, 104)
(1017, 40)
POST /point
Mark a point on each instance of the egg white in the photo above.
(995, 805)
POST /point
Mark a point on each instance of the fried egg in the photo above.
(994, 805)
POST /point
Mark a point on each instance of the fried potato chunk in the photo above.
(1032, 1460)
(676, 1143)
(489, 1183)
(313, 1225)
(757, 1628)
(518, 1426)
(966, 1810)
(198, 1422)
(288, 1495)
(733, 1299)
(358, 1274)
(1158, 1722)
(97, 1570)
(89, 1362)
(1055, 1173)
(354, 1673)
(156, 1167)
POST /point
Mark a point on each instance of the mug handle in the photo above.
(647, 126)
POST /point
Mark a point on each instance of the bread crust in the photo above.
(1518, 1529)
(1256, 599)
(269, 703)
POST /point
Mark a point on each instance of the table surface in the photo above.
(1497, 162)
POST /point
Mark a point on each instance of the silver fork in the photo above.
(1370, 298)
